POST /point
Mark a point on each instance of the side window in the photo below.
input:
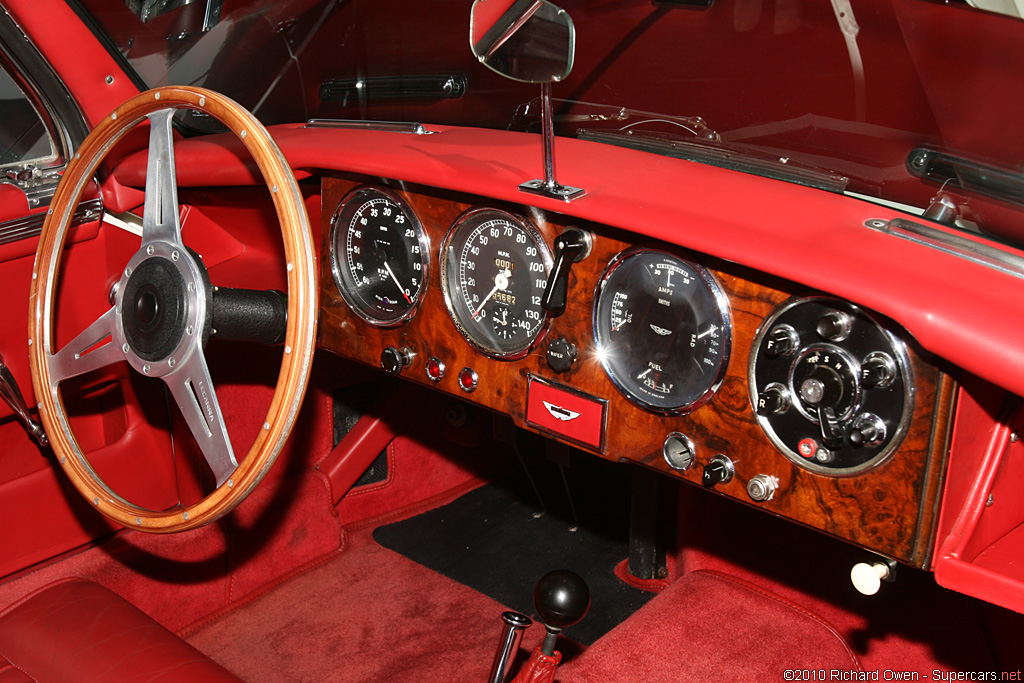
(23, 137)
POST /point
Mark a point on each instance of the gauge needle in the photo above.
(643, 374)
(500, 282)
(623, 322)
(400, 289)
(710, 330)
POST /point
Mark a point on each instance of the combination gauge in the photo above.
(662, 329)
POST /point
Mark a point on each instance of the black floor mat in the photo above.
(495, 540)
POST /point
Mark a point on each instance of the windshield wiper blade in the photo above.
(730, 156)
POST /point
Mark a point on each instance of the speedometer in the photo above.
(662, 329)
(379, 256)
(494, 269)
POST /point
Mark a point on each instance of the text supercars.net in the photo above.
(898, 675)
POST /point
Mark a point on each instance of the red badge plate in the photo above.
(570, 414)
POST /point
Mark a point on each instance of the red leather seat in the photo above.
(78, 631)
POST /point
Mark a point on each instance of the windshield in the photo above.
(855, 93)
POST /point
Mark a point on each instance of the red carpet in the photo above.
(367, 615)
(712, 627)
(370, 614)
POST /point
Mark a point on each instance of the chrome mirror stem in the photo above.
(549, 187)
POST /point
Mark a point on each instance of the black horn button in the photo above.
(147, 308)
(153, 309)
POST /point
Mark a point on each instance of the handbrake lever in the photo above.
(12, 394)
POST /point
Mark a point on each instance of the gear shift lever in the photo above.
(561, 599)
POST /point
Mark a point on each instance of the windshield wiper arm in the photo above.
(952, 171)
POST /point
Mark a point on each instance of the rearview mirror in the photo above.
(532, 41)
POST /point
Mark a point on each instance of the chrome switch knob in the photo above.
(834, 326)
(762, 487)
(877, 370)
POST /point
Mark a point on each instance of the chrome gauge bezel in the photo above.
(901, 356)
(339, 260)
(721, 303)
(469, 218)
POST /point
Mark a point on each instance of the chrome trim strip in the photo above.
(30, 226)
(385, 126)
(951, 243)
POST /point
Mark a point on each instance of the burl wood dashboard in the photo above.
(889, 506)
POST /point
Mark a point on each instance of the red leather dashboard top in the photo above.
(955, 308)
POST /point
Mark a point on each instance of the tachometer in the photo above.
(379, 256)
(663, 330)
(494, 269)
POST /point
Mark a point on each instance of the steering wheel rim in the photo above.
(183, 368)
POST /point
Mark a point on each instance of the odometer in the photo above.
(379, 256)
(494, 269)
(662, 329)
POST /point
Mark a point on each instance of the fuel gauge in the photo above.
(662, 329)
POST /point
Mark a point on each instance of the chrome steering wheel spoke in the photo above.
(97, 346)
(160, 311)
(192, 388)
(161, 220)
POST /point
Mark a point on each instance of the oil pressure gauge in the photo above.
(662, 329)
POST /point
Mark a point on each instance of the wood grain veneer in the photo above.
(890, 509)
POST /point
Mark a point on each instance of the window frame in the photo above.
(52, 101)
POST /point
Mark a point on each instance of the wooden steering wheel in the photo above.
(164, 275)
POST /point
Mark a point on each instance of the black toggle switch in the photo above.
(571, 246)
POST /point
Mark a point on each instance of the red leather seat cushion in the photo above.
(79, 631)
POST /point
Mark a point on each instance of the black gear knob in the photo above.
(561, 598)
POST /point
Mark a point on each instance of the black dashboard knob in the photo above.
(719, 471)
(773, 400)
(395, 360)
(783, 340)
(561, 354)
(866, 430)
